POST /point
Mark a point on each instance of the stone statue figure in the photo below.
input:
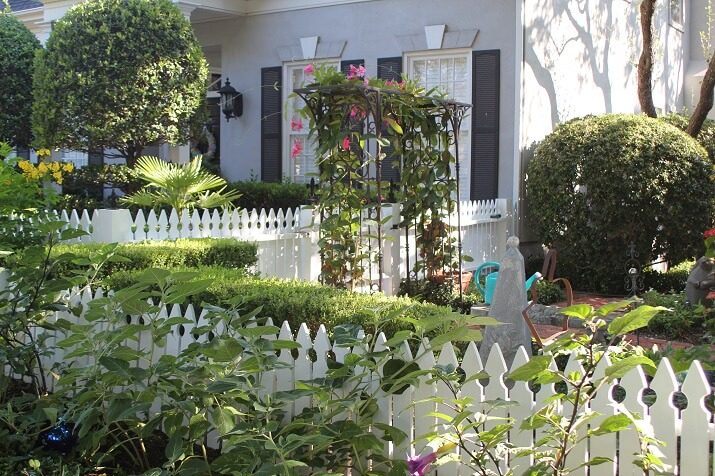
(508, 302)
(700, 282)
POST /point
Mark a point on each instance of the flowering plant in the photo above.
(45, 170)
(709, 237)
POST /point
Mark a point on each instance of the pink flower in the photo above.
(356, 72)
(709, 233)
(357, 112)
(296, 125)
(346, 143)
(296, 149)
(419, 465)
(309, 69)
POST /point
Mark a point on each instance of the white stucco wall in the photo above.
(696, 59)
(370, 30)
(581, 58)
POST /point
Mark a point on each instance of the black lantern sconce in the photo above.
(231, 101)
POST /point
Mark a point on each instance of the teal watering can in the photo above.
(490, 282)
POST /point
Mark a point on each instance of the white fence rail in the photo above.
(688, 434)
(287, 240)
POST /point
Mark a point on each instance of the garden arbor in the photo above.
(380, 144)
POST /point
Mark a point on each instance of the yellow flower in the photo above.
(54, 166)
(58, 177)
(25, 165)
(42, 168)
(43, 152)
(68, 167)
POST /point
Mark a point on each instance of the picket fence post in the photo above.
(112, 226)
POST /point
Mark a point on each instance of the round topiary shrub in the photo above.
(598, 183)
(119, 74)
(17, 53)
(706, 137)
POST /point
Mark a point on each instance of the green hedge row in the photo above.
(293, 301)
(189, 253)
(270, 195)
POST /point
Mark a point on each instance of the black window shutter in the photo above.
(390, 69)
(271, 124)
(345, 64)
(95, 157)
(485, 125)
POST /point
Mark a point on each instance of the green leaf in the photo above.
(258, 331)
(175, 447)
(635, 319)
(531, 369)
(394, 374)
(621, 367)
(580, 311)
(612, 424)
(223, 349)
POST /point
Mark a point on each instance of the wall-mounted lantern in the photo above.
(231, 101)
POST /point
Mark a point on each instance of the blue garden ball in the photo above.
(59, 438)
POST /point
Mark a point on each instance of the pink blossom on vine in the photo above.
(355, 72)
(296, 148)
(346, 143)
(296, 125)
(310, 69)
(357, 113)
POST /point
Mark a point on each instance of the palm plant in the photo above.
(181, 186)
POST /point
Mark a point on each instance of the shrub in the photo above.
(17, 52)
(119, 74)
(190, 253)
(671, 281)
(293, 301)
(268, 195)
(548, 293)
(597, 184)
(706, 137)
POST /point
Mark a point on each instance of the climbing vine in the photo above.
(360, 126)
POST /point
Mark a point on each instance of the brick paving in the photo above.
(597, 301)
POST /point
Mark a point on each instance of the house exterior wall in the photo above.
(370, 31)
(580, 57)
(699, 23)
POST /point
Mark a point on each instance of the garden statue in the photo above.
(701, 282)
(508, 302)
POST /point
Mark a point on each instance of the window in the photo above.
(300, 167)
(448, 71)
(676, 13)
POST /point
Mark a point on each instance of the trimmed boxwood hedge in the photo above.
(190, 253)
(293, 301)
(598, 183)
(269, 195)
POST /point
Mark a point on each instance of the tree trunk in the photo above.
(645, 63)
(705, 102)
(131, 154)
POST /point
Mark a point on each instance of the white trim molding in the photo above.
(425, 40)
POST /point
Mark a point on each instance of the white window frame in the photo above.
(288, 67)
(675, 23)
(465, 159)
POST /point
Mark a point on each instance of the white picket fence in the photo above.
(688, 434)
(287, 240)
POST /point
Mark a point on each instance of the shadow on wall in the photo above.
(569, 43)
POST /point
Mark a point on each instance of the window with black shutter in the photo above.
(485, 125)
(390, 69)
(271, 123)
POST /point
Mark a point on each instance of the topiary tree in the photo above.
(17, 51)
(706, 136)
(119, 74)
(598, 183)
